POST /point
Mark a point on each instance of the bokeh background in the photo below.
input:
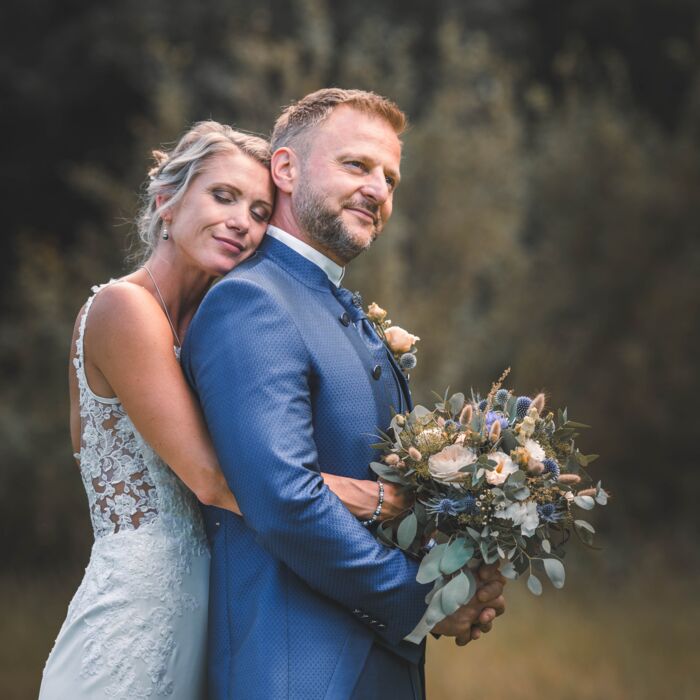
(547, 221)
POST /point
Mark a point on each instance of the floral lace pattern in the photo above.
(149, 565)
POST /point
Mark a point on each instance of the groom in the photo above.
(305, 603)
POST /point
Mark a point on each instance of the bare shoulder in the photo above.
(126, 313)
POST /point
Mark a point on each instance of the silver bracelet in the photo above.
(378, 511)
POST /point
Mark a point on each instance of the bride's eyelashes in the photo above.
(223, 196)
(261, 215)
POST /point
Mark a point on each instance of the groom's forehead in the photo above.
(346, 127)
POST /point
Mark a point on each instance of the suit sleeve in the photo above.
(251, 370)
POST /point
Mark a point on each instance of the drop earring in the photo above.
(165, 233)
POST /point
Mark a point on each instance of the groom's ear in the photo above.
(284, 168)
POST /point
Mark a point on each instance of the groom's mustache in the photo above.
(372, 208)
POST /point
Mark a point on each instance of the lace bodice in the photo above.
(127, 484)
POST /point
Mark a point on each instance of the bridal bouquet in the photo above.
(494, 479)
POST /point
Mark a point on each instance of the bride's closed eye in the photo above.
(223, 196)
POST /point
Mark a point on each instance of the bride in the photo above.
(136, 627)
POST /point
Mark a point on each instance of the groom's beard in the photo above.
(327, 228)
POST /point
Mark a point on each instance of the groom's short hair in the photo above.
(301, 117)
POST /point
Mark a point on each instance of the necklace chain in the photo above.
(165, 308)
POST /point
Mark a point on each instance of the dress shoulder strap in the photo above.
(79, 358)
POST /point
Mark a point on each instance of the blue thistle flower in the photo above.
(501, 397)
(468, 505)
(552, 467)
(407, 361)
(442, 506)
(549, 513)
(452, 424)
(482, 404)
(492, 417)
(521, 406)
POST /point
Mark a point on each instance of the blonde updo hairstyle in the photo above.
(175, 170)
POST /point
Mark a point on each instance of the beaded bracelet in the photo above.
(378, 511)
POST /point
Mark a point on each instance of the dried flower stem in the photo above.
(492, 394)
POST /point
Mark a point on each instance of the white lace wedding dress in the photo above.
(136, 628)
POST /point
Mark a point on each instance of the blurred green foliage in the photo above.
(547, 218)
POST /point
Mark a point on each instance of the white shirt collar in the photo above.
(334, 271)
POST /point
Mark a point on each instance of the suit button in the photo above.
(345, 319)
(381, 626)
(377, 371)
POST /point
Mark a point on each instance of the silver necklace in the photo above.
(165, 308)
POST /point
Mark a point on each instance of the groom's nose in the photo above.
(375, 186)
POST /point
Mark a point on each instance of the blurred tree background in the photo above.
(547, 220)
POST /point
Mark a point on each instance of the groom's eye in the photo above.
(356, 164)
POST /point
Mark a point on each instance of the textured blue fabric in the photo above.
(301, 592)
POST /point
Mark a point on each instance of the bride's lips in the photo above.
(230, 245)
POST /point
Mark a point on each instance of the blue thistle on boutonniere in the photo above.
(400, 342)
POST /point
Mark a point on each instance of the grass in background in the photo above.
(597, 639)
(593, 640)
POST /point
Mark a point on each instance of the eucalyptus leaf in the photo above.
(488, 552)
(473, 534)
(574, 424)
(601, 496)
(456, 404)
(457, 554)
(517, 477)
(585, 531)
(546, 546)
(585, 502)
(435, 613)
(388, 473)
(508, 441)
(508, 570)
(407, 531)
(534, 584)
(572, 464)
(555, 571)
(429, 568)
(521, 494)
(456, 593)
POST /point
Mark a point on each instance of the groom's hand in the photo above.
(492, 608)
(478, 614)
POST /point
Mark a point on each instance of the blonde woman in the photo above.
(137, 624)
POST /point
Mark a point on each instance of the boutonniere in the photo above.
(400, 342)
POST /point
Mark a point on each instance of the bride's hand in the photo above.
(396, 500)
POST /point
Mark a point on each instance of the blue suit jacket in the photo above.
(300, 590)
